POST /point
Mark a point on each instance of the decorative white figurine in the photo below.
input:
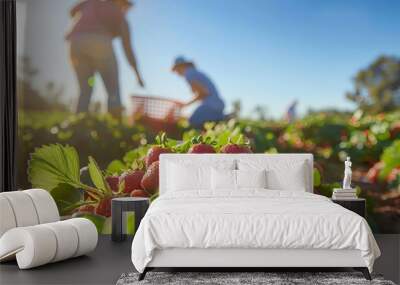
(347, 174)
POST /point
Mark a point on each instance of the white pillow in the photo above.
(281, 174)
(190, 176)
(182, 177)
(227, 179)
(293, 180)
(251, 178)
(223, 179)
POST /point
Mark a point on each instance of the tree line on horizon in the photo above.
(376, 89)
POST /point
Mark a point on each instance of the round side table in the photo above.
(138, 205)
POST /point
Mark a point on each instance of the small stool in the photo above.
(138, 205)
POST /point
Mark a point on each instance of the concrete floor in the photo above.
(102, 266)
(389, 263)
(110, 260)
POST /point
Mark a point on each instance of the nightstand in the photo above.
(357, 205)
(138, 205)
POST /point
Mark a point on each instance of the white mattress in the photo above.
(252, 219)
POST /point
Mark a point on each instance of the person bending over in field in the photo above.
(291, 112)
(96, 24)
(211, 106)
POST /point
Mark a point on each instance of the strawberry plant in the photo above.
(200, 145)
(239, 146)
(56, 168)
(160, 147)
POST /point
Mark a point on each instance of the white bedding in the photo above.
(252, 218)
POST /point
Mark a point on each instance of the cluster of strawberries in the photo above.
(135, 183)
(200, 145)
(144, 182)
(140, 183)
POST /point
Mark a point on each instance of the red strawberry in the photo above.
(104, 207)
(202, 146)
(150, 179)
(235, 148)
(87, 208)
(238, 147)
(139, 193)
(132, 180)
(113, 182)
(154, 152)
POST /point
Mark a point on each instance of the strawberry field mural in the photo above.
(124, 161)
(86, 142)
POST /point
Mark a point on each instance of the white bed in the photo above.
(248, 227)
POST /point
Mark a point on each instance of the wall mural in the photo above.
(104, 87)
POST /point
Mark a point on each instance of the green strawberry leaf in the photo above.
(115, 167)
(135, 154)
(154, 196)
(316, 177)
(97, 176)
(121, 186)
(67, 198)
(138, 164)
(51, 165)
(107, 226)
(98, 221)
(161, 139)
(224, 138)
(188, 135)
(390, 158)
(170, 143)
(183, 147)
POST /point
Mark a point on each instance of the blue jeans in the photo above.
(203, 114)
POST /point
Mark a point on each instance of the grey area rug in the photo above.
(233, 278)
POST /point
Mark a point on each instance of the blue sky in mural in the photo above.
(263, 52)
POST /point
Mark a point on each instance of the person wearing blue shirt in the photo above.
(211, 106)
